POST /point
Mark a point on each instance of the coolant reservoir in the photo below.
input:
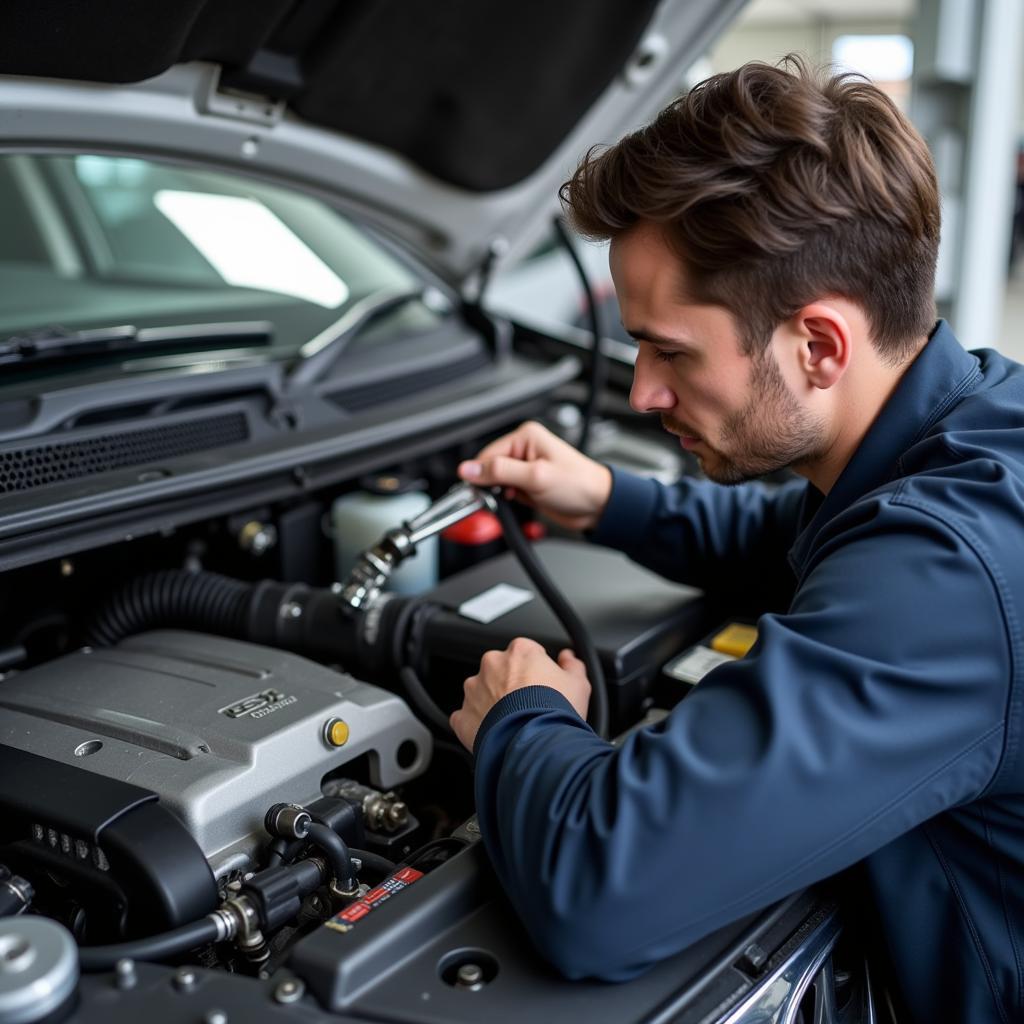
(359, 519)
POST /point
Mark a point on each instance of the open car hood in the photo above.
(448, 125)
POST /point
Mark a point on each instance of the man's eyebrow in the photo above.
(640, 334)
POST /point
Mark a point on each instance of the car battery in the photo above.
(681, 673)
(637, 620)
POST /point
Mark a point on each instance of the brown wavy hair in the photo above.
(778, 185)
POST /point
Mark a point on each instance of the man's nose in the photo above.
(649, 393)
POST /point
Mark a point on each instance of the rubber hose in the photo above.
(578, 633)
(283, 852)
(597, 362)
(374, 861)
(156, 947)
(422, 701)
(415, 691)
(335, 850)
(173, 597)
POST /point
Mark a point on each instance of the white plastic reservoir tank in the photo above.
(359, 519)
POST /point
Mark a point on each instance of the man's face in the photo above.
(736, 413)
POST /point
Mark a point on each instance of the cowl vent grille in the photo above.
(21, 469)
(359, 398)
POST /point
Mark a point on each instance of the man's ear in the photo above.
(825, 338)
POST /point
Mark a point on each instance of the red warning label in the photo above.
(347, 918)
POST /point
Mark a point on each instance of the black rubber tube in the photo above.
(596, 379)
(374, 861)
(156, 947)
(173, 597)
(283, 852)
(422, 701)
(335, 850)
(578, 635)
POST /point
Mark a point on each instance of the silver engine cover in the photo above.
(219, 729)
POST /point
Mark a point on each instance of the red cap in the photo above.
(480, 528)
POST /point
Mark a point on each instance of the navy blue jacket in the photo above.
(877, 720)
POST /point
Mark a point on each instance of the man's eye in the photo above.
(664, 357)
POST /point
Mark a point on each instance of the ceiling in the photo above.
(777, 12)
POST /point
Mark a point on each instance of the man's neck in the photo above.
(865, 393)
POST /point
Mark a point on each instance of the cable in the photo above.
(335, 850)
(373, 861)
(156, 947)
(422, 701)
(564, 612)
(598, 371)
(402, 631)
(425, 705)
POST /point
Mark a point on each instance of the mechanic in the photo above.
(773, 244)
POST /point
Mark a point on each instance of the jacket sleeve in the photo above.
(699, 532)
(866, 709)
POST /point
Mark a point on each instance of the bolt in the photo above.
(289, 991)
(185, 979)
(470, 976)
(752, 959)
(257, 538)
(215, 1017)
(124, 974)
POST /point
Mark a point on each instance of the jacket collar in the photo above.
(936, 379)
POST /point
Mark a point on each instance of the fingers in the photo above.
(506, 471)
(524, 446)
(528, 441)
(524, 645)
(568, 661)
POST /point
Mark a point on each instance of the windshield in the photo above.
(93, 241)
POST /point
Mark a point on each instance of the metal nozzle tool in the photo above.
(376, 564)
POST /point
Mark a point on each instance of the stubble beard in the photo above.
(771, 432)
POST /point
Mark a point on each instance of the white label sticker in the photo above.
(694, 665)
(495, 602)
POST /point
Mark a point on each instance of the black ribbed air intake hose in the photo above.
(315, 625)
(174, 598)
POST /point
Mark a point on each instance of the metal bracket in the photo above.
(238, 106)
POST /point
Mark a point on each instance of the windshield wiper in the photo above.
(320, 352)
(56, 344)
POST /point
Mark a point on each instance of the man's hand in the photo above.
(544, 471)
(523, 663)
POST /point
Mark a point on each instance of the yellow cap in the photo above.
(336, 732)
(736, 639)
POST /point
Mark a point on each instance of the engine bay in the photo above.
(226, 772)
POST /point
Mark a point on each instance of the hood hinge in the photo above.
(218, 101)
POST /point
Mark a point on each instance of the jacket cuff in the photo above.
(526, 698)
(630, 506)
